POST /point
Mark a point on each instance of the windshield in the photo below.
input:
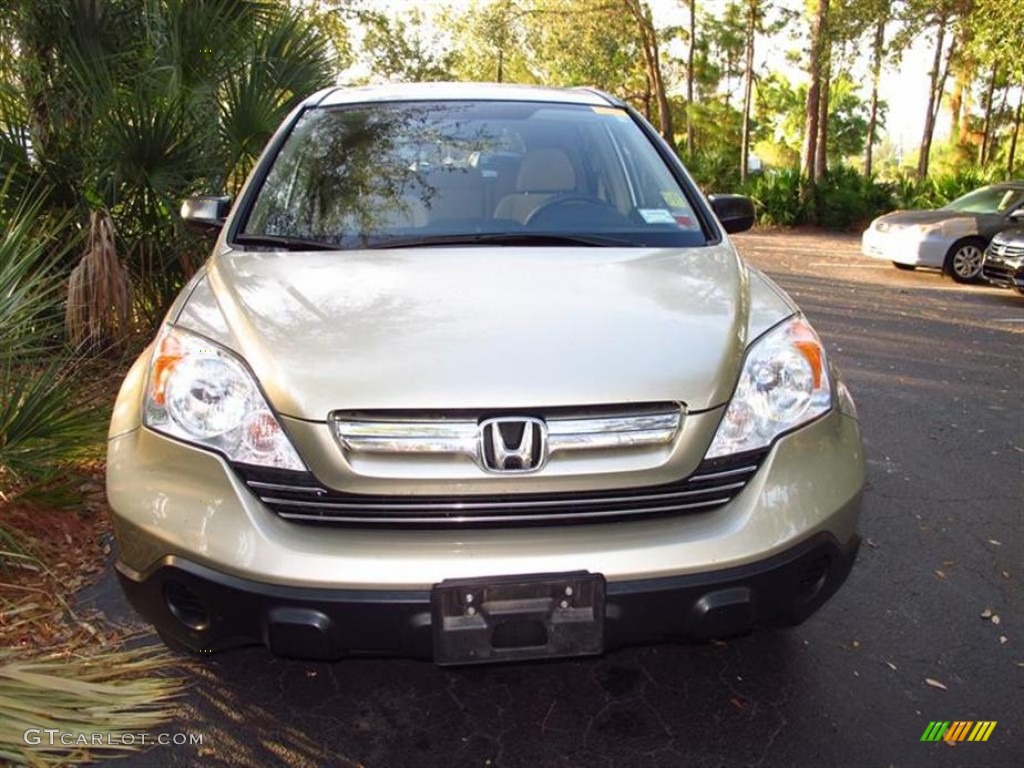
(409, 173)
(989, 200)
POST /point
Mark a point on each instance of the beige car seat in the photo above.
(543, 174)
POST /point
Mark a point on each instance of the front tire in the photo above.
(905, 267)
(964, 260)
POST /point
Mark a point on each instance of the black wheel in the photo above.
(964, 260)
(905, 267)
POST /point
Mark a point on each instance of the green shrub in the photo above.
(714, 171)
(776, 196)
(48, 414)
(846, 199)
(939, 189)
(842, 199)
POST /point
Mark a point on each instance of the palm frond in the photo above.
(99, 291)
(110, 694)
(31, 252)
(287, 60)
(47, 418)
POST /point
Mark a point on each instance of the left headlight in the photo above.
(784, 384)
(203, 394)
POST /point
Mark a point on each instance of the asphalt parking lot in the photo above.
(937, 370)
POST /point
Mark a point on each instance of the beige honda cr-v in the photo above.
(473, 373)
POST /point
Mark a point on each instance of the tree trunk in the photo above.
(689, 77)
(649, 43)
(810, 147)
(960, 98)
(1011, 156)
(876, 76)
(957, 123)
(937, 84)
(660, 94)
(985, 150)
(648, 108)
(821, 153)
(748, 89)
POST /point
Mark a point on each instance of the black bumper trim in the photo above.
(226, 611)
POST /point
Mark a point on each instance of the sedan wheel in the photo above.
(963, 263)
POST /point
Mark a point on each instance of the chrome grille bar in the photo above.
(299, 497)
(468, 505)
(359, 434)
(523, 518)
(445, 436)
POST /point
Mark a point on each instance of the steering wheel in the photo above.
(593, 209)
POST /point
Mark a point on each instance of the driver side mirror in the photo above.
(1017, 215)
(736, 212)
(206, 212)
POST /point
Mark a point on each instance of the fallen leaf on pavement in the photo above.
(987, 613)
(995, 619)
(1003, 639)
(935, 684)
(940, 574)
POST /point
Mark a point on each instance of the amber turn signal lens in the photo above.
(165, 358)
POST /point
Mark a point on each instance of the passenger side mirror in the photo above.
(1017, 215)
(205, 212)
(736, 212)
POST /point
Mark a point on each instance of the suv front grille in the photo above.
(1001, 268)
(1008, 251)
(299, 497)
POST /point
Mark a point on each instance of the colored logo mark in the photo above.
(958, 730)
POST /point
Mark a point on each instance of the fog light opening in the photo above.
(813, 577)
(186, 606)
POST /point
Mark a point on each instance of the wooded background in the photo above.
(113, 111)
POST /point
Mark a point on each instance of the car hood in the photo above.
(481, 328)
(899, 219)
(907, 218)
(1014, 236)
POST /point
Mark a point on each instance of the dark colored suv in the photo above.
(1004, 260)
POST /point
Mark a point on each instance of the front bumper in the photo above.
(905, 246)
(171, 499)
(192, 535)
(225, 611)
(1004, 271)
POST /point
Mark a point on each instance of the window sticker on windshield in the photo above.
(656, 216)
(673, 199)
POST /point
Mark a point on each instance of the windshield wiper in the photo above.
(283, 242)
(502, 238)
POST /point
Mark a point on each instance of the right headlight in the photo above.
(784, 384)
(204, 394)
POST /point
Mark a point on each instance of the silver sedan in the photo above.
(952, 238)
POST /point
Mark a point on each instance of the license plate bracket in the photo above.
(517, 618)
